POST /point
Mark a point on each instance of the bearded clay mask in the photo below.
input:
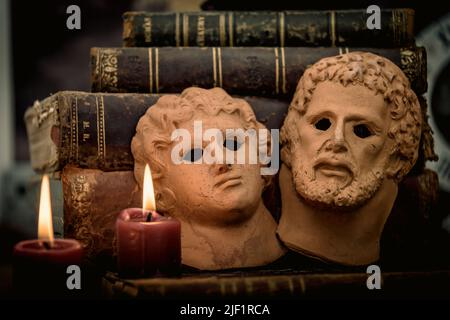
(224, 223)
(351, 133)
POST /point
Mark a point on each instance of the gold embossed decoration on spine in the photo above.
(185, 30)
(219, 63)
(156, 70)
(177, 29)
(277, 72)
(79, 225)
(222, 30)
(283, 71)
(73, 155)
(230, 28)
(413, 64)
(217, 66)
(213, 49)
(148, 29)
(282, 28)
(108, 68)
(201, 31)
(333, 28)
(150, 70)
(101, 131)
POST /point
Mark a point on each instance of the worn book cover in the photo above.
(268, 29)
(94, 130)
(254, 71)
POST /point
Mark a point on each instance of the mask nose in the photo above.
(337, 142)
(220, 168)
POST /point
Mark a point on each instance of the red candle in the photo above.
(147, 242)
(40, 265)
(61, 251)
(147, 248)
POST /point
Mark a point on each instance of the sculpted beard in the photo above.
(331, 192)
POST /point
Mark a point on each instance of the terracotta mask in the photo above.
(351, 133)
(223, 219)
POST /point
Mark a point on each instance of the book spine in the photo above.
(292, 284)
(270, 72)
(285, 28)
(92, 201)
(94, 130)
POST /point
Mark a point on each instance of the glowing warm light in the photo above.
(148, 202)
(45, 225)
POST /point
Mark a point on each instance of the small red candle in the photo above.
(147, 242)
(40, 265)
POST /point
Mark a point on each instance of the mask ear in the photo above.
(395, 166)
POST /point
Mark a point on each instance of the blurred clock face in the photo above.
(440, 102)
(436, 39)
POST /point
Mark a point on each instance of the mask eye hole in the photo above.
(193, 155)
(362, 131)
(232, 144)
(323, 124)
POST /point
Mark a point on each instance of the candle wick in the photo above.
(47, 245)
(149, 217)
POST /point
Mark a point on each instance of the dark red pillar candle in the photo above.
(147, 244)
(40, 268)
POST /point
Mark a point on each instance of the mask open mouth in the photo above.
(339, 169)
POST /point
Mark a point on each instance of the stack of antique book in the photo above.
(84, 137)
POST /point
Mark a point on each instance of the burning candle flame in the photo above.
(148, 202)
(45, 225)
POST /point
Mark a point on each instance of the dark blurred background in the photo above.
(40, 56)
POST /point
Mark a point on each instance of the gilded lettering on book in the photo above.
(147, 29)
(86, 137)
(109, 66)
(201, 31)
